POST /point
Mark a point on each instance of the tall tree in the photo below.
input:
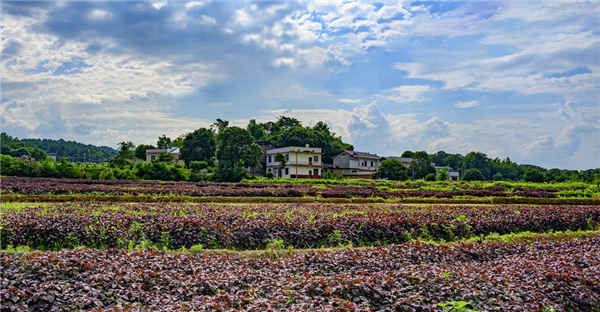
(163, 142)
(199, 145)
(232, 145)
(256, 130)
(220, 125)
(479, 161)
(421, 166)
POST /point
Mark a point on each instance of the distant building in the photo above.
(152, 154)
(356, 164)
(452, 174)
(53, 155)
(264, 146)
(404, 160)
(301, 162)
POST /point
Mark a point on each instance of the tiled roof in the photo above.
(361, 154)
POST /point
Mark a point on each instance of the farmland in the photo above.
(170, 254)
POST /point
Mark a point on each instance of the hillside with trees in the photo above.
(73, 151)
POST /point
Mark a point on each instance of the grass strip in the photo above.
(277, 200)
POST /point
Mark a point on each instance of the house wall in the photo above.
(300, 162)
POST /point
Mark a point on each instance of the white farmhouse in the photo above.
(301, 162)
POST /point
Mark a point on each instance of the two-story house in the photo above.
(152, 154)
(301, 162)
(355, 164)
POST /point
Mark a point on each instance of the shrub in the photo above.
(430, 177)
(473, 175)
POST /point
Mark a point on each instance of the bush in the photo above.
(498, 177)
(269, 175)
(226, 172)
(430, 177)
(197, 166)
(329, 175)
(473, 175)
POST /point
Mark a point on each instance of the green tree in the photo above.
(178, 142)
(256, 130)
(439, 158)
(392, 169)
(407, 154)
(421, 166)
(473, 175)
(220, 125)
(164, 142)
(533, 175)
(199, 145)
(478, 161)
(280, 158)
(124, 156)
(442, 174)
(232, 145)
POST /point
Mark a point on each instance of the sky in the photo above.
(518, 79)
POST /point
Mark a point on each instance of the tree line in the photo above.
(477, 166)
(223, 153)
(39, 149)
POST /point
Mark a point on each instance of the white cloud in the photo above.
(407, 94)
(350, 101)
(466, 104)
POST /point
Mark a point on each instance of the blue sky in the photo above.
(518, 79)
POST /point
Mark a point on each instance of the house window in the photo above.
(371, 163)
(269, 170)
(316, 158)
(287, 171)
(269, 159)
(316, 171)
(287, 157)
(153, 157)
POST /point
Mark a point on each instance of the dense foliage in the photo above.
(557, 276)
(392, 169)
(38, 149)
(41, 186)
(98, 225)
(504, 169)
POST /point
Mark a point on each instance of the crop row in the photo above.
(253, 226)
(43, 186)
(556, 276)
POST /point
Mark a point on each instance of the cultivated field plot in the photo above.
(50, 186)
(175, 225)
(554, 276)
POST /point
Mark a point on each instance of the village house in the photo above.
(301, 162)
(152, 154)
(356, 164)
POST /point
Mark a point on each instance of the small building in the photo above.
(153, 153)
(53, 155)
(453, 175)
(356, 164)
(301, 162)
